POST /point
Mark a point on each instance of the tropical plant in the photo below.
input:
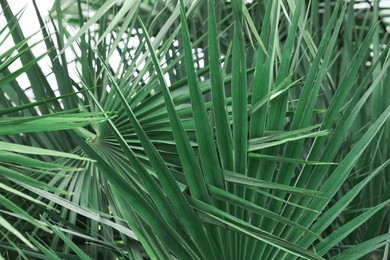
(197, 130)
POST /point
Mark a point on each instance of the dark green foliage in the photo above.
(197, 130)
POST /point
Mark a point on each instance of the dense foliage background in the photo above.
(197, 130)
